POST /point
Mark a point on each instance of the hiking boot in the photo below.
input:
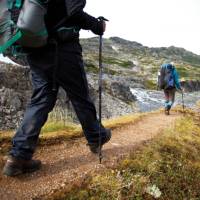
(166, 111)
(95, 148)
(15, 166)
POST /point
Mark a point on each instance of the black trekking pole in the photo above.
(183, 102)
(100, 88)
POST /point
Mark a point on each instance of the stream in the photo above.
(149, 100)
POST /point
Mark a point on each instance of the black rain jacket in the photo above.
(57, 11)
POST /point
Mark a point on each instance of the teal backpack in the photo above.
(166, 79)
(22, 24)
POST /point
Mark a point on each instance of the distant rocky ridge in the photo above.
(137, 60)
(126, 65)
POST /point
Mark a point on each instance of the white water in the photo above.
(148, 100)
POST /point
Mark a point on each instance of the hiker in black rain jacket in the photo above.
(57, 64)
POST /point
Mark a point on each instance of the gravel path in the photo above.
(65, 162)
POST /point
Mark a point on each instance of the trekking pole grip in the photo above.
(102, 19)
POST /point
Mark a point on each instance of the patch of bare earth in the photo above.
(66, 162)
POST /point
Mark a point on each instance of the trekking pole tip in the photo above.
(100, 155)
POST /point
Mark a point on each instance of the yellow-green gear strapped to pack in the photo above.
(22, 24)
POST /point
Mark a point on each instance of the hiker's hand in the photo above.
(181, 90)
(102, 20)
(99, 28)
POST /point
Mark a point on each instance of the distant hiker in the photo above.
(168, 80)
(59, 63)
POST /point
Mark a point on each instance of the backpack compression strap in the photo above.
(11, 41)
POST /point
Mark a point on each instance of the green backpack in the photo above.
(22, 25)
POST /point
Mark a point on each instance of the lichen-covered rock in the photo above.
(191, 85)
(15, 92)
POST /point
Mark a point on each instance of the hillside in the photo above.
(134, 59)
(126, 65)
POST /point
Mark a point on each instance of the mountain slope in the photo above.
(137, 60)
(126, 65)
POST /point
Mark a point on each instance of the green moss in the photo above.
(154, 70)
(91, 68)
(115, 61)
(111, 71)
(126, 64)
(150, 84)
(192, 59)
(188, 72)
(58, 126)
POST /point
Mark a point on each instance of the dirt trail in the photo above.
(65, 162)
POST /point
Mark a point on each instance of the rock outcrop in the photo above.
(191, 85)
(15, 92)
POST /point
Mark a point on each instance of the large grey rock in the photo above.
(191, 85)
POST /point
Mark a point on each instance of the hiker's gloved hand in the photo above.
(99, 27)
(102, 23)
(180, 89)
